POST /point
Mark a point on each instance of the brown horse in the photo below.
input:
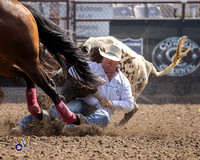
(22, 28)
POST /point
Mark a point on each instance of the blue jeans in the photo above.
(93, 116)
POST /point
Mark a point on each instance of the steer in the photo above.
(135, 68)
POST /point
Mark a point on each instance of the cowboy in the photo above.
(115, 94)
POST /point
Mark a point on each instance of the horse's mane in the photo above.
(59, 45)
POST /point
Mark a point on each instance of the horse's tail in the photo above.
(58, 44)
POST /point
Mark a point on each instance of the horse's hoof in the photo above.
(82, 119)
(45, 116)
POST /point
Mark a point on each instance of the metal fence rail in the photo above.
(92, 17)
(56, 10)
(81, 19)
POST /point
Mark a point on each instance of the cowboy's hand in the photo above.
(106, 102)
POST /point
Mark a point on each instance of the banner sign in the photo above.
(135, 44)
(165, 50)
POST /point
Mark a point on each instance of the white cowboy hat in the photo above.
(114, 53)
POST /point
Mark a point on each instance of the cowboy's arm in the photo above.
(93, 66)
(126, 102)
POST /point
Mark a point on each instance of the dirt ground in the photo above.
(160, 132)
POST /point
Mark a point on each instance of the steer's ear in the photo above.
(124, 59)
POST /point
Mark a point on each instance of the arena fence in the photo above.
(56, 10)
(147, 26)
(92, 17)
(85, 18)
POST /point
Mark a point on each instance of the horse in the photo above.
(22, 28)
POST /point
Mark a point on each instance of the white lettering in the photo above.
(90, 9)
(162, 46)
(167, 47)
(168, 44)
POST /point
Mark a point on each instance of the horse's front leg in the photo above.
(39, 77)
(32, 103)
(31, 98)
